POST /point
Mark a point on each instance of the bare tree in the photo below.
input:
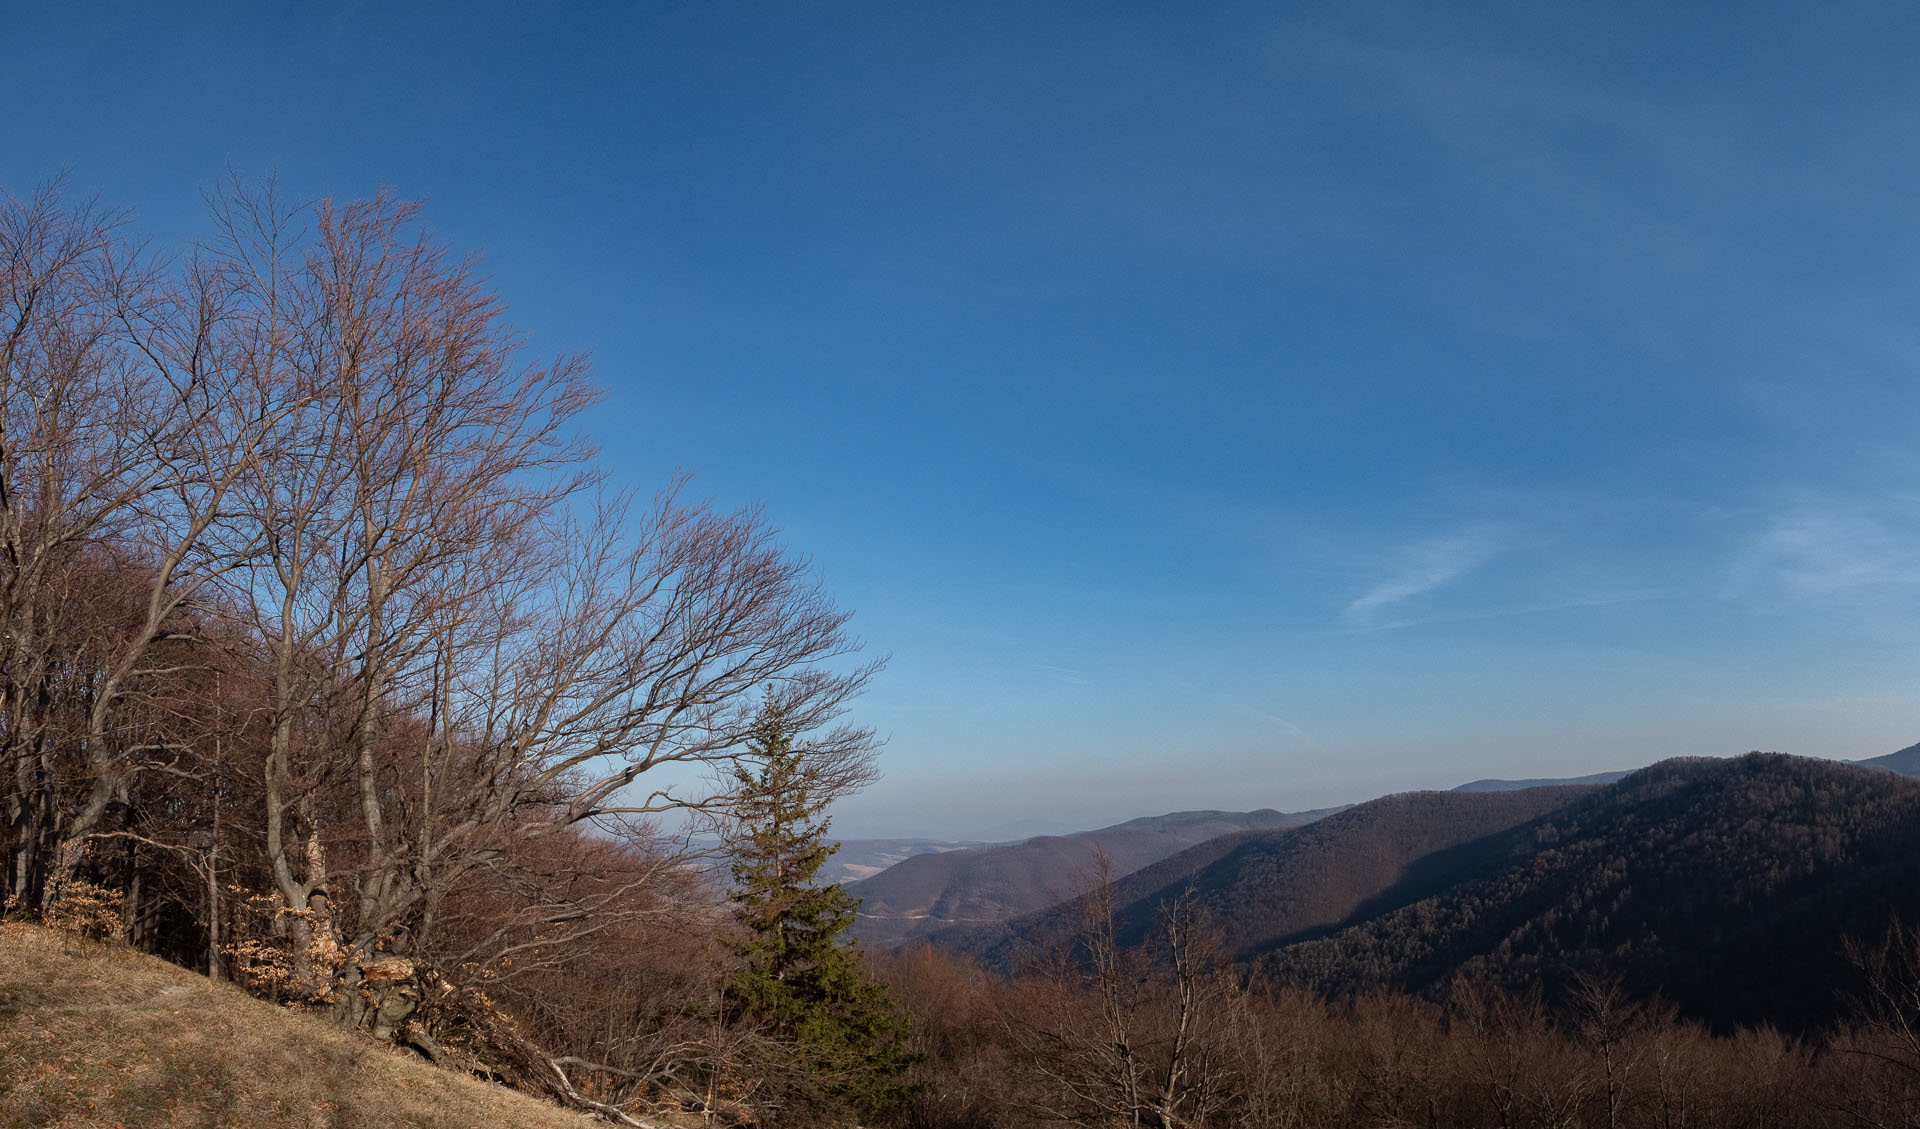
(1132, 1036)
(1611, 1027)
(470, 641)
(121, 439)
(301, 552)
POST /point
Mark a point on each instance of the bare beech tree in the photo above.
(471, 641)
(121, 437)
(66, 478)
(311, 594)
(407, 455)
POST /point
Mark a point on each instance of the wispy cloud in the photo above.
(1420, 569)
(1064, 674)
(1278, 722)
(1595, 600)
(1827, 548)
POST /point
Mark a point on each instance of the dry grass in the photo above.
(99, 1036)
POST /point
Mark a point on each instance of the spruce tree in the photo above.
(797, 977)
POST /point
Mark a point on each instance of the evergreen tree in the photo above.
(796, 975)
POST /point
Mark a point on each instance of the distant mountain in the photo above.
(1906, 762)
(1515, 785)
(1259, 889)
(984, 885)
(1726, 886)
(1729, 887)
(864, 858)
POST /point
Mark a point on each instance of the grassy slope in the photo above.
(103, 1036)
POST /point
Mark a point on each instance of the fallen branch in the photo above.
(611, 1113)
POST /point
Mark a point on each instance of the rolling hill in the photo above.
(1906, 761)
(991, 884)
(1257, 889)
(1729, 887)
(1514, 785)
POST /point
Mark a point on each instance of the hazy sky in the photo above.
(1206, 405)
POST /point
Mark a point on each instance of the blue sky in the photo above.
(1221, 405)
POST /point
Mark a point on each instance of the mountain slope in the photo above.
(1513, 785)
(990, 884)
(107, 1036)
(1257, 889)
(1906, 761)
(1726, 886)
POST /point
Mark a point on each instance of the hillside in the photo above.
(1257, 889)
(970, 889)
(106, 1036)
(992, 884)
(1727, 886)
(1906, 761)
(1543, 782)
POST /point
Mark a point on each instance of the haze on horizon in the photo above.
(1222, 409)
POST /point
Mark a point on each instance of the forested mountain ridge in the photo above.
(1905, 762)
(980, 885)
(991, 884)
(966, 895)
(1728, 887)
(1260, 888)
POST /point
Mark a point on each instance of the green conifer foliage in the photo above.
(797, 977)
